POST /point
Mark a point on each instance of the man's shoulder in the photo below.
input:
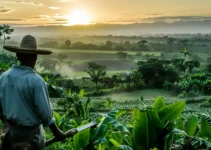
(5, 73)
(37, 78)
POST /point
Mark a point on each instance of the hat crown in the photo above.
(28, 42)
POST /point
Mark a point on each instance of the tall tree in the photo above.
(171, 42)
(142, 42)
(184, 42)
(154, 72)
(68, 43)
(5, 31)
(96, 73)
(192, 64)
(122, 55)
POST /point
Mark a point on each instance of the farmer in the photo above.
(24, 102)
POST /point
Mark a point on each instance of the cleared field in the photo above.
(147, 94)
(111, 65)
(74, 74)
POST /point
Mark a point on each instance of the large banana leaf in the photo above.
(117, 125)
(205, 131)
(191, 126)
(115, 113)
(117, 146)
(144, 129)
(81, 139)
(159, 103)
(117, 136)
(99, 136)
(179, 124)
(171, 112)
(176, 131)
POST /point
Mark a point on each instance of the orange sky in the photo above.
(58, 12)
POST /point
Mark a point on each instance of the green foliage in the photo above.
(205, 131)
(191, 126)
(3, 67)
(200, 80)
(5, 30)
(156, 72)
(159, 103)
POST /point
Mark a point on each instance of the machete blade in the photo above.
(91, 124)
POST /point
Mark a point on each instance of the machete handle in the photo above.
(68, 134)
(71, 132)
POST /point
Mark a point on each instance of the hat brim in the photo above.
(26, 51)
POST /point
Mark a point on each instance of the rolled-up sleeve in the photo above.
(42, 103)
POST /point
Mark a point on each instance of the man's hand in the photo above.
(59, 135)
(71, 132)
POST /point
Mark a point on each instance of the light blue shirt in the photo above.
(24, 97)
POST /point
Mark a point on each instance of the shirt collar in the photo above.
(23, 67)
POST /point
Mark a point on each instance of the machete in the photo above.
(72, 132)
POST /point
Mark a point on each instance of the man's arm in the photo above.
(44, 109)
(1, 112)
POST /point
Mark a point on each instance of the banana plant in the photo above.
(151, 125)
(111, 134)
(193, 137)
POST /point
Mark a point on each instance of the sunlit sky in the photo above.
(73, 12)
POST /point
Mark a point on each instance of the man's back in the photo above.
(19, 88)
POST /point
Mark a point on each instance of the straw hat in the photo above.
(28, 46)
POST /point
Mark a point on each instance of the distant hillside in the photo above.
(181, 27)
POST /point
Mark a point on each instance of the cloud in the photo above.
(30, 3)
(155, 14)
(171, 19)
(63, 20)
(42, 17)
(54, 8)
(154, 18)
(23, 2)
(12, 20)
(65, 1)
(6, 10)
(56, 23)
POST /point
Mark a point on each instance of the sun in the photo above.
(78, 17)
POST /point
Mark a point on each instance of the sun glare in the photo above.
(79, 17)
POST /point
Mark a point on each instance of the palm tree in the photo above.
(96, 73)
(185, 52)
(5, 30)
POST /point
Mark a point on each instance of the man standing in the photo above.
(24, 101)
